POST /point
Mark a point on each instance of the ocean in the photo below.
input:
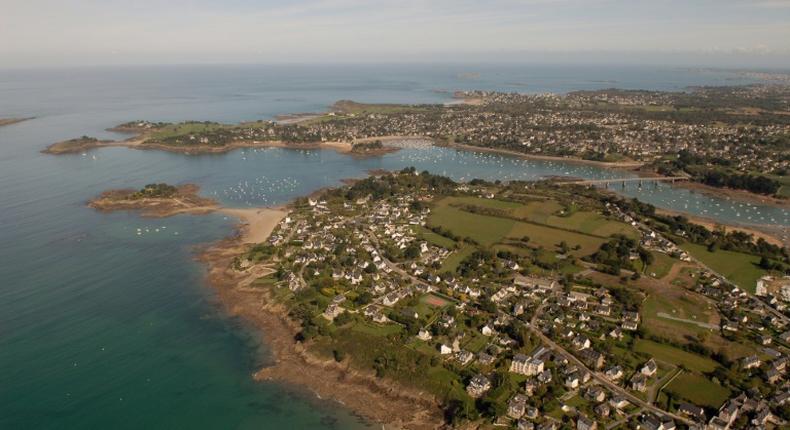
(103, 328)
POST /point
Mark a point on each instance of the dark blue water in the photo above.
(103, 328)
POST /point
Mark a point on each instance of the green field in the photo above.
(451, 263)
(676, 356)
(548, 238)
(698, 390)
(489, 230)
(661, 266)
(433, 238)
(784, 190)
(483, 229)
(548, 212)
(741, 269)
(376, 329)
(185, 128)
(678, 303)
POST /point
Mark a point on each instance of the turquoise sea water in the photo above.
(103, 328)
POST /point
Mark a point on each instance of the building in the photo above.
(584, 423)
(517, 406)
(424, 335)
(592, 358)
(639, 382)
(650, 368)
(478, 386)
(692, 411)
(527, 366)
(750, 362)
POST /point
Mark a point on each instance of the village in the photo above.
(527, 324)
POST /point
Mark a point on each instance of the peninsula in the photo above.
(721, 137)
(420, 302)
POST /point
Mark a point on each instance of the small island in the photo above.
(156, 200)
(72, 146)
(371, 148)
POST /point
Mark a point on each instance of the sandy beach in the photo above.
(766, 233)
(257, 224)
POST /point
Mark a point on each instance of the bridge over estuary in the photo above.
(624, 181)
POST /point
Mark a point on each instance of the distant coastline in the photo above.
(9, 121)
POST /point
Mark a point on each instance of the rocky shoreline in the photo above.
(378, 400)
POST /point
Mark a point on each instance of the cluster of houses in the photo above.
(574, 124)
(348, 247)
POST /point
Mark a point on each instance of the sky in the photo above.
(733, 33)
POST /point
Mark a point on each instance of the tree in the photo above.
(412, 251)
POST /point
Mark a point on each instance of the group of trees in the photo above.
(718, 172)
(616, 254)
(407, 180)
(723, 178)
(160, 190)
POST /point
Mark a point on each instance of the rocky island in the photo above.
(155, 200)
(76, 145)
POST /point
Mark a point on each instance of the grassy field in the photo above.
(698, 390)
(488, 230)
(549, 238)
(451, 263)
(433, 238)
(185, 128)
(784, 190)
(676, 356)
(661, 266)
(739, 268)
(376, 329)
(548, 212)
(483, 229)
(486, 203)
(677, 303)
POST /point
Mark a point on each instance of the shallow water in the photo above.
(101, 327)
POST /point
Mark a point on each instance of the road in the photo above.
(595, 375)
